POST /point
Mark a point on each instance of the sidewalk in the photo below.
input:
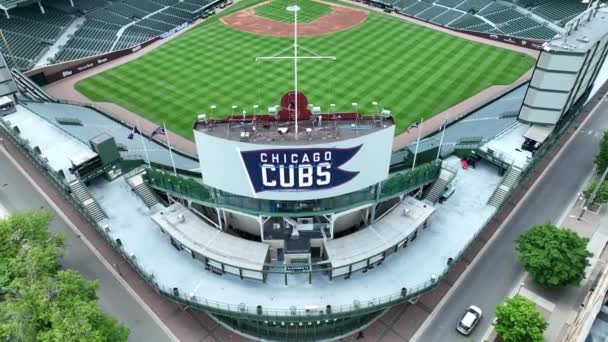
(559, 306)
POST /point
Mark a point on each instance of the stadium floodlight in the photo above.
(375, 104)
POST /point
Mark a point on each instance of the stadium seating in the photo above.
(417, 8)
(560, 11)
(487, 16)
(447, 17)
(144, 20)
(474, 5)
(29, 33)
(431, 12)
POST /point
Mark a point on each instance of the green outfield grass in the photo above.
(411, 70)
(277, 10)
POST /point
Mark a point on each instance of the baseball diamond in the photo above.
(411, 70)
(290, 170)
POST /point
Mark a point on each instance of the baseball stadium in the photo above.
(294, 168)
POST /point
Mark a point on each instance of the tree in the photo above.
(553, 256)
(602, 193)
(601, 160)
(38, 300)
(518, 320)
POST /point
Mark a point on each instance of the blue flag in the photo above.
(134, 131)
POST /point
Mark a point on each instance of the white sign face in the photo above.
(288, 172)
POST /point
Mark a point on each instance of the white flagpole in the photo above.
(417, 143)
(143, 143)
(295, 61)
(441, 140)
(170, 151)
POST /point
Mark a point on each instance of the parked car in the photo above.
(469, 320)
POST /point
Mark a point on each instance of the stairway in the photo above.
(438, 188)
(499, 195)
(30, 88)
(142, 190)
(82, 195)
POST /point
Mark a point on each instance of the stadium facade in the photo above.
(300, 224)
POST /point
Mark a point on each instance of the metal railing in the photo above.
(397, 184)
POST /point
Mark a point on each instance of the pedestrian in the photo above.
(360, 335)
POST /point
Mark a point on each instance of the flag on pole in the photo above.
(134, 131)
(163, 130)
(158, 131)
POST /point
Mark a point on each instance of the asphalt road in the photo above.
(17, 194)
(494, 276)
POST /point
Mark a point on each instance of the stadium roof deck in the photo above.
(94, 123)
(508, 145)
(60, 149)
(198, 236)
(452, 226)
(270, 129)
(587, 32)
(372, 240)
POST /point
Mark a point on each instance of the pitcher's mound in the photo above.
(341, 18)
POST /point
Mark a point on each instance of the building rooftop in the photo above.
(60, 149)
(450, 229)
(93, 123)
(397, 225)
(507, 146)
(270, 130)
(583, 36)
(195, 234)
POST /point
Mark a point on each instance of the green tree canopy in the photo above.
(553, 256)
(602, 193)
(601, 160)
(518, 320)
(38, 300)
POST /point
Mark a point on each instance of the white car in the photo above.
(470, 319)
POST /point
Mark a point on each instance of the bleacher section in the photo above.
(109, 25)
(486, 16)
(142, 20)
(557, 11)
(28, 33)
(447, 17)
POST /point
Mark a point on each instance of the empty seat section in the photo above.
(449, 3)
(473, 5)
(417, 8)
(431, 13)
(401, 4)
(447, 17)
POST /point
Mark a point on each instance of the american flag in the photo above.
(158, 130)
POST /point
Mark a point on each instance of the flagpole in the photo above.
(441, 140)
(417, 143)
(295, 61)
(143, 142)
(170, 151)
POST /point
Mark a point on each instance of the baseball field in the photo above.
(411, 70)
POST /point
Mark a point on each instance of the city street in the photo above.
(17, 194)
(498, 272)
